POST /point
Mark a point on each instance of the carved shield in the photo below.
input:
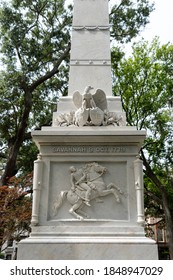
(77, 99)
(96, 116)
(81, 116)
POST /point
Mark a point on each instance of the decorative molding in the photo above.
(138, 172)
(37, 186)
(90, 62)
(91, 28)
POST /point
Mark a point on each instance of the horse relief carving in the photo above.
(87, 184)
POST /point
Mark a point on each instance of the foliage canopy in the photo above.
(145, 84)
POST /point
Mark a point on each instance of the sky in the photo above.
(161, 21)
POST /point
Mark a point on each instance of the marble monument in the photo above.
(88, 182)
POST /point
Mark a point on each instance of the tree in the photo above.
(15, 209)
(145, 84)
(128, 18)
(35, 47)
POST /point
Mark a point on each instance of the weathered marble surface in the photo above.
(87, 251)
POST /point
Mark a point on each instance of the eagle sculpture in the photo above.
(90, 107)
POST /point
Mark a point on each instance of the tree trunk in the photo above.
(169, 223)
(12, 158)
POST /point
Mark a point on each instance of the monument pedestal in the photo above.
(56, 249)
(88, 179)
(112, 226)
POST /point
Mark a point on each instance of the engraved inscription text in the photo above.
(89, 149)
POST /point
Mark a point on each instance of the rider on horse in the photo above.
(79, 181)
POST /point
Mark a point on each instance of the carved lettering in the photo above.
(89, 149)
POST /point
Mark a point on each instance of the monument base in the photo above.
(106, 249)
(111, 227)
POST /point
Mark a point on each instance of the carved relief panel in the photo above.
(88, 191)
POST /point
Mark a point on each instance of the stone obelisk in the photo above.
(88, 181)
(90, 59)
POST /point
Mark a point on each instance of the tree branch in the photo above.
(51, 73)
(155, 197)
(156, 223)
(117, 8)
